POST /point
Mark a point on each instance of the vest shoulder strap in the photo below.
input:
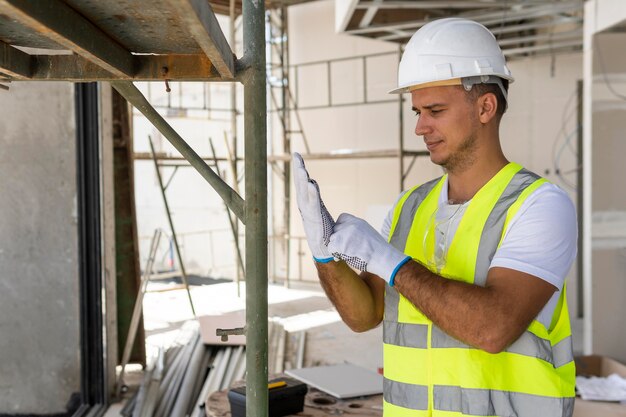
(404, 211)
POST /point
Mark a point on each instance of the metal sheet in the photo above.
(14, 33)
(140, 25)
(63, 25)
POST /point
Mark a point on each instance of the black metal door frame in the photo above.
(93, 365)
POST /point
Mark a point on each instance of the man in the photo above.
(468, 280)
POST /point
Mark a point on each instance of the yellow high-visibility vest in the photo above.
(427, 372)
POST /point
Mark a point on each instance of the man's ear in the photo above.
(487, 107)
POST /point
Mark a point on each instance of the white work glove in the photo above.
(362, 247)
(317, 221)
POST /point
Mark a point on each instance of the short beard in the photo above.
(464, 157)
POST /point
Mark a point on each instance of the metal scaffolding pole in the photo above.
(233, 129)
(255, 141)
(183, 272)
(284, 60)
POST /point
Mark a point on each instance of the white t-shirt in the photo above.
(540, 239)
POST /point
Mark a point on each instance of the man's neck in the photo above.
(462, 186)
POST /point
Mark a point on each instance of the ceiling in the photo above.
(522, 27)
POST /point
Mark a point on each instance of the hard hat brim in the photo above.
(438, 83)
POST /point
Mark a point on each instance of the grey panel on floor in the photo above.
(341, 381)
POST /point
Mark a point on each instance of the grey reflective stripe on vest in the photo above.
(528, 344)
(405, 334)
(404, 395)
(440, 339)
(405, 221)
(563, 352)
(392, 298)
(485, 402)
(492, 232)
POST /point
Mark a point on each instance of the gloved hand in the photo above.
(318, 223)
(362, 247)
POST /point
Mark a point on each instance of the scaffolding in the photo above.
(284, 103)
(113, 43)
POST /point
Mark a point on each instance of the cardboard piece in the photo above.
(595, 365)
(209, 324)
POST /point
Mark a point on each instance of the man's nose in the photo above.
(421, 127)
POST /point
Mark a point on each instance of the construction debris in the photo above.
(179, 379)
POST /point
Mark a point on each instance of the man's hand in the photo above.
(318, 223)
(362, 247)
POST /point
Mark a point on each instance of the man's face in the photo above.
(448, 121)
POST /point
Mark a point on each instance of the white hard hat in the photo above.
(451, 51)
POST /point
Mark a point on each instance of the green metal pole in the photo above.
(255, 133)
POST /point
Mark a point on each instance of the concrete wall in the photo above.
(39, 304)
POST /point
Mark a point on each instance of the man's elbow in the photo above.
(496, 342)
(360, 326)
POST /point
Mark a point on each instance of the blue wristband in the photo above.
(395, 270)
(323, 260)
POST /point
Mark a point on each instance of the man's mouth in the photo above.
(432, 144)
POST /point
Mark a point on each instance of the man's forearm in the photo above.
(478, 316)
(354, 298)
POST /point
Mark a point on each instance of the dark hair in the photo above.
(481, 89)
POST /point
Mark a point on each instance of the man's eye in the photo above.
(435, 111)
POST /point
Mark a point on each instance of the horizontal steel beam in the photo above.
(350, 154)
(542, 47)
(58, 22)
(134, 97)
(162, 156)
(543, 37)
(448, 4)
(513, 15)
(148, 68)
(205, 29)
(536, 25)
(14, 63)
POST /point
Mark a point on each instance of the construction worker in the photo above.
(468, 275)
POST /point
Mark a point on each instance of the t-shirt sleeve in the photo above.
(541, 239)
